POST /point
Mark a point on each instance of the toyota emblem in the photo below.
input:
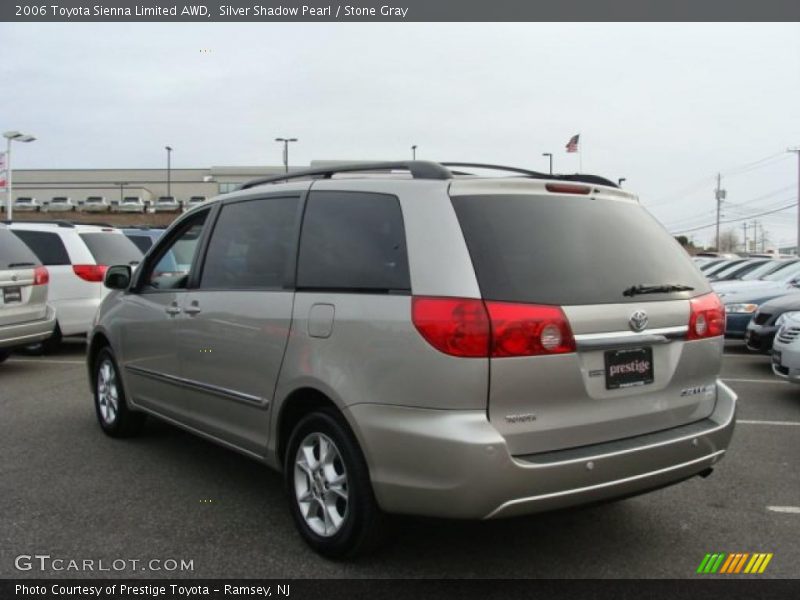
(638, 321)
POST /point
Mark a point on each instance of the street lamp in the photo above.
(414, 152)
(121, 185)
(286, 150)
(169, 170)
(550, 156)
(620, 180)
(12, 136)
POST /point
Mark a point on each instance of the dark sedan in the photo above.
(767, 320)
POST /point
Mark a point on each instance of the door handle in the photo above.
(173, 309)
(192, 309)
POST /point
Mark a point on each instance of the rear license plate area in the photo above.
(629, 367)
(12, 294)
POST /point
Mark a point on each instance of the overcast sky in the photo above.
(665, 105)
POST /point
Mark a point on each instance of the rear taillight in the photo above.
(92, 273)
(529, 330)
(455, 326)
(706, 317)
(40, 276)
(469, 328)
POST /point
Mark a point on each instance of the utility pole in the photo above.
(414, 152)
(719, 194)
(755, 236)
(744, 225)
(796, 150)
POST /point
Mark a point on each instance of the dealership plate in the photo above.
(629, 367)
(12, 294)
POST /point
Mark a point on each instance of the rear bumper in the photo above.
(455, 464)
(29, 332)
(75, 316)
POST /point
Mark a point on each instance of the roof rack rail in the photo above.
(95, 223)
(59, 223)
(585, 178)
(419, 169)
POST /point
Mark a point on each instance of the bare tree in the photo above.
(729, 240)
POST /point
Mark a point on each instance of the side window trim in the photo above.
(157, 251)
(290, 276)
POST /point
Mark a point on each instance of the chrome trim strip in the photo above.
(583, 459)
(661, 335)
(599, 486)
(203, 387)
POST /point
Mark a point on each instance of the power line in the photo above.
(768, 212)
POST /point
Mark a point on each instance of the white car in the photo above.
(61, 204)
(27, 204)
(76, 257)
(195, 201)
(786, 348)
(96, 204)
(133, 204)
(166, 204)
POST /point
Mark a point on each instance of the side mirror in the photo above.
(118, 277)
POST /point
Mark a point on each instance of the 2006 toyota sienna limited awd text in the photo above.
(407, 338)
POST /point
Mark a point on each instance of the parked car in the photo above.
(166, 204)
(76, 257)
(737, 270)
(343, 329)
(769, 316)
(25, 317)
(96, 204)
(786, 350)
(27, 204)
(143, 237)
(133, 204)
(61, 204)
(195, 201)
(713, 264)
(712, 272)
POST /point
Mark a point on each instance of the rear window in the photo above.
(47, 246)
(353, 242)
(142, 242)
(14, 253)
(570, 251)
(111, 248)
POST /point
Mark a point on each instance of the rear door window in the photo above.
(251, 245)
(111, 248)
(570, 251)
(14, 253)
(47, 246)
(353, 242)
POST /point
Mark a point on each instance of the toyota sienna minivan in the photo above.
(410, 338)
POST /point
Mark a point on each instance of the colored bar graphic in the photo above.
(735, 562)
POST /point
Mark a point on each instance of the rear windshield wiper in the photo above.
(21, 264)
(665, 288)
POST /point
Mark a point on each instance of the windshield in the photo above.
(783, 273)
(23, 200)
(765, 269)
(130, 201)
(571, 251)
(739, 269)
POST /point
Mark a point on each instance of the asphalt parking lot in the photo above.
(71, 492)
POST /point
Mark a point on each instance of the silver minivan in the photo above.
(409, 338)
(25, 316)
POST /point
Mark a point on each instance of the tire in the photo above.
(4, 354)
(355, 524)
(113, 414)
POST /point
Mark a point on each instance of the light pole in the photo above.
(121, 185)
(550, 156)
(12, 136)
(169, 170)
(414, 152)
(620, 180)
(796, 150)
(285, 142)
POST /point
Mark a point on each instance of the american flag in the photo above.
(572, 144)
